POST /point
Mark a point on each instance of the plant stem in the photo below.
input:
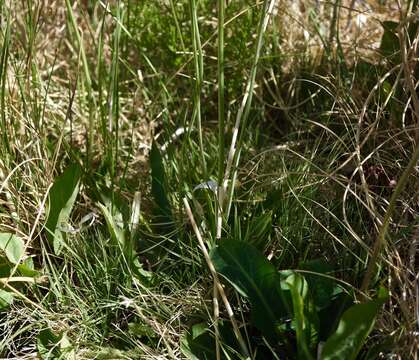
(221, 122)
(199, 74)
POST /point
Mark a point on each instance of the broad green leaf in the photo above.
(12, 246)
(354, 327)
(24, 268)
(135, 215)
(114, 201)
(5, 268)
(254, 277)
(146, 277)
(329, 316)
(27, 268)
(48, 344)
(61, 200)
(6, 299)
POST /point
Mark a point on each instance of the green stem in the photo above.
(221, 103)
(199, 74)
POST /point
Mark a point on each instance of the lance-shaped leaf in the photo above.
(116, 231)
(61, 200)
(354, 326)
(159, 190)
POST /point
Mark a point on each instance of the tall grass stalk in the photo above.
(221, 106)
(243, 114)
(114, 95)
(176, 20)
(221, 129)
(88, 83)
(199, 78)
(3, 79)
(101, 78)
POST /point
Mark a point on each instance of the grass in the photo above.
(153, 152)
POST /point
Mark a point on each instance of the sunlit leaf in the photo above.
(354, 327)
(305, 324)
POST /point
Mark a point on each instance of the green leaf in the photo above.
(254, 277)
(12, 246)
(27, 268)
(199, 342)
(5, 268)
(51, 346)
(258, 230)
(6, 299)
(61, 200)
(146, 277)
(117, 233)
(390, 45)
(158, 188)
(323, 289)
(329, 316)
(306, 328)
(354, 327)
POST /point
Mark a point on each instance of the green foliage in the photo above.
(390, 44)
(271, 294)
(199, 342)
(13, 263)
(306, 323)
(116, 230)
(62, 196)
(354, 327)
(12, 246)
(322, 285)
(6, 299)
(51, 346)
(254, 277)
(159, 189)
